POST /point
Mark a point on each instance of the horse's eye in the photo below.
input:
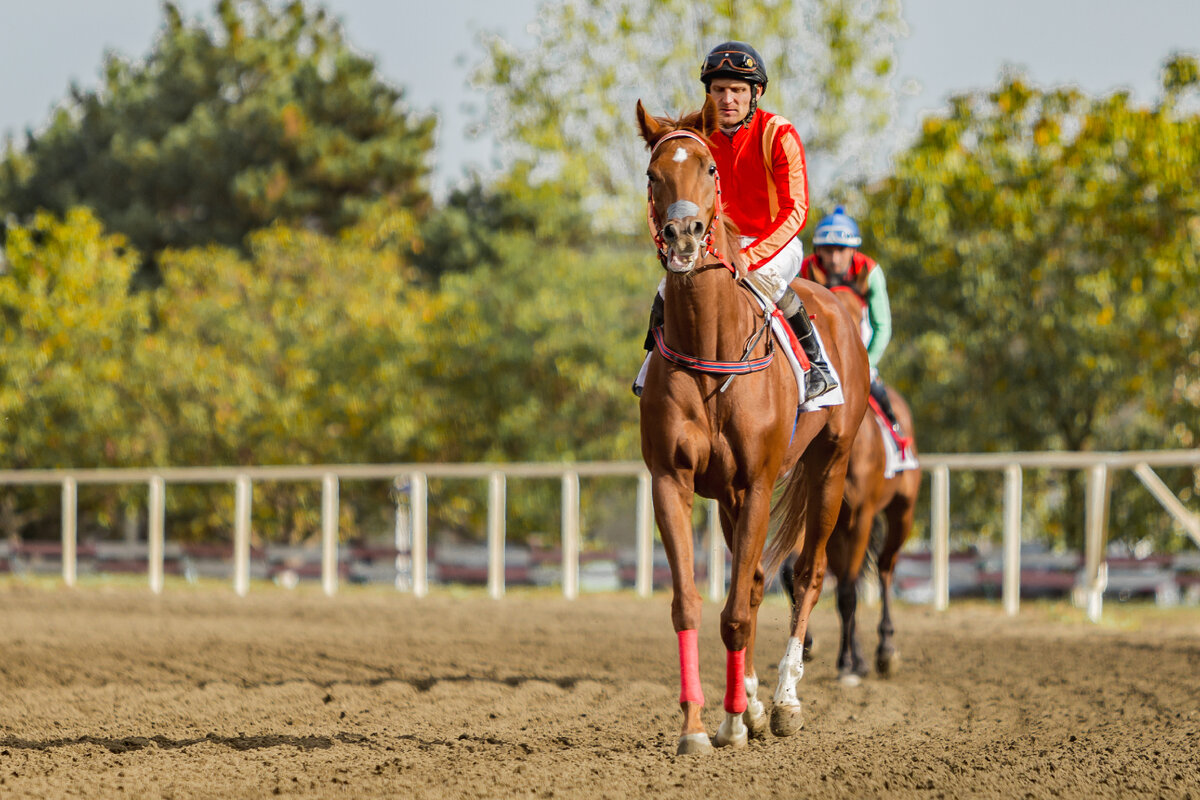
(712, 169)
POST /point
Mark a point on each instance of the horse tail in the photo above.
(790, 511)
(875, 543)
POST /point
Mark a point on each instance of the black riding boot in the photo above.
(879, 392)
(818, 380)
(656, 319)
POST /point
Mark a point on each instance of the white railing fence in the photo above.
(1099, 467)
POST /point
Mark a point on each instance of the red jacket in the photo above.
(764, 182)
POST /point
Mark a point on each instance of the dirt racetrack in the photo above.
(113, 692)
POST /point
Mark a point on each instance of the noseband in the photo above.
(656, 229)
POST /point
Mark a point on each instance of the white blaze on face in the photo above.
(680, 155)
(791, 670)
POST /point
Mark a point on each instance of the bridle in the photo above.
(656, 229)
(727, 369)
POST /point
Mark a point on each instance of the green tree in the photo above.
(294, 354)
(69, 385)
(1041, 253)
(271, 117)
(71, 331)
(566, 103)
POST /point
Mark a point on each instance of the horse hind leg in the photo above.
(787, 577)
(822, 506)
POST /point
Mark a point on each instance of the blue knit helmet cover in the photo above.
(839, 228)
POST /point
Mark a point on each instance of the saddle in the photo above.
(795, 353)
(897, 448)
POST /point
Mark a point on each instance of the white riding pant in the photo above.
(773, 277)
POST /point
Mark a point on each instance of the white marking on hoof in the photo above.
(849, 679)
(693, 744)
(791, 670)
(755, 715)
(733, 732)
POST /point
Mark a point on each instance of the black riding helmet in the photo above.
(736, 60)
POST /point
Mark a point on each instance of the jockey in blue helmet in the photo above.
(837, 261)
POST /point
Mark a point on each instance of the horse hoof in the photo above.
(693, 744)
(756, 726)
(887, 663)
(786, 720)
(732, 732)
(849, 679)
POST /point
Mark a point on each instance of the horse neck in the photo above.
(705, 316)
(852, 303)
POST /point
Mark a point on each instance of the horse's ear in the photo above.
(861, 282)
(819, 275)
(708, 117)
(649, 126)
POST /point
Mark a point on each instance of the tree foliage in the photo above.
(271, 117)
(566, 103)
(1041, 248)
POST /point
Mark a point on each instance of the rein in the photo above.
(656, 229)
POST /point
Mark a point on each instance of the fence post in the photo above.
(644, 583)
(329, 533)
(402, 542)
(570, 534)
(241, 535)
(70, 506)
(941, 538)
(420, 534)
(716, 554)
(156, 511)
(1096, 534)
(496, 534)
(1012, 539)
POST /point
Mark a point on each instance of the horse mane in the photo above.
(702, 123)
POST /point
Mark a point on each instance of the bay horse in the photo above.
(868, 495)
(733, 438)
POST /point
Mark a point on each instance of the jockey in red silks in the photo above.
(764, 180)
(837, 261)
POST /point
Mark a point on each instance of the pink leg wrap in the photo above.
(689, 668)
(735, 683)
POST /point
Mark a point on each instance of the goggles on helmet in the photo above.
(729, 59)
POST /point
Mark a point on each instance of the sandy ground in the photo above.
(112, 692)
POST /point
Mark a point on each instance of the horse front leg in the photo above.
(673, 513)
(899, 523)
(755, 716)
(739, 619)
(845, 551)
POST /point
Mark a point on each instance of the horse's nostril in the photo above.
(669, 231)
(696, 228)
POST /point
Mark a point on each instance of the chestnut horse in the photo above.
(732, 438)
(868, 495)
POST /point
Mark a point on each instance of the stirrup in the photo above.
(820, 387)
